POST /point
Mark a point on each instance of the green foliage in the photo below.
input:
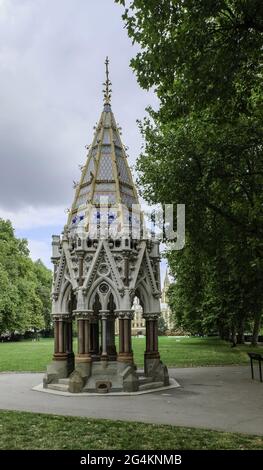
(43, 290)
(162, 326)
(198, 53)
(8, 301)
(24, 286)
(203, 148)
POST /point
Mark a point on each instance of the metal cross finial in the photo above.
(107, 90)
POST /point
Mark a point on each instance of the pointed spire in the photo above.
(105, 175)
(107, 90)
(166, 286)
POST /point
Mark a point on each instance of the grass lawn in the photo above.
(20, 430)
(180, 352)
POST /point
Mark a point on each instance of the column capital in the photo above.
(61, 316)
(82, 314)
(151, 315)
(124, 314)
(94, 317)
(104, 314)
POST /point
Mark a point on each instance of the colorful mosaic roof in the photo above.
(106, 176)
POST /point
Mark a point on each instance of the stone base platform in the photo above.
(106, 377)
(62, 388)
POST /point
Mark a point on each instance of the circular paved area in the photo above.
(223, 398)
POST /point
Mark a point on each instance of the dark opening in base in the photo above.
(103, 387)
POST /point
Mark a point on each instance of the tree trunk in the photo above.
(240, 332)
(224, 333)
(221, 331)
(227, 334)
(233, 336)
(256, 329)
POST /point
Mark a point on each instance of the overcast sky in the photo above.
(52, 55)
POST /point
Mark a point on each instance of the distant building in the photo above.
(165, 308)
(138, 322)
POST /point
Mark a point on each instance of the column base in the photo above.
(112, 353)
(155, 369)
(112, 357)
(80, 358)
(152, 355)
(60, 368)
(60, 356)
(125, 357)
(81, 373)
(104, 357)
(95, 357)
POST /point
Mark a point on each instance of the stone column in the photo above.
(60, 337)
(63, 358)
(56, 333)
(69, 336)
(121, 336)
(104, 317)
(153, 367)
(125, 346)
(68, 339)
(83, 359)
(110, 334)
(94, 337)
(83, 355)
(152, 353)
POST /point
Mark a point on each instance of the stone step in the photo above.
(150, 386)
(64, 381)
(144, 380)
(140, 373)
(59, 387)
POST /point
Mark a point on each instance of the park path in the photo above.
(222, 398)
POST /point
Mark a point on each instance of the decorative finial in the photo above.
(107, 90)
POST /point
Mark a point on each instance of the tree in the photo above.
(198, 53)
(162, 326)
(43, 290)
(8, 302)
(203, 147)
(23, 285)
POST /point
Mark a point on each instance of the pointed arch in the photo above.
(103, 299)
(142, 292)
(96, 305)
(149, 302)
(65, 297)
(111, 304)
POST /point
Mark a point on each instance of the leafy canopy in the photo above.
(203, 147)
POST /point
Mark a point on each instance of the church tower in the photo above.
(102, 260)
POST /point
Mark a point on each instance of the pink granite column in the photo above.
(152, 351)
(83, 337)
(125, 343)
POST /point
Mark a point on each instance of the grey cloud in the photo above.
(52, 56)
